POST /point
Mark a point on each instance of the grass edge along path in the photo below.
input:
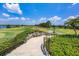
(17, 39)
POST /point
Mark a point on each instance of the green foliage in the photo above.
(66, 31)
(64, 45)
(12, 37)
(73, 22)
(47, 24)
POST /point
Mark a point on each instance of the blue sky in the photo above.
(35, 13)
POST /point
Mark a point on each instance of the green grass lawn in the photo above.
(66, 31)
(12, 36)
(61, 45)
(10, 32)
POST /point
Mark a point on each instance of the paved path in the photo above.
(31, 48)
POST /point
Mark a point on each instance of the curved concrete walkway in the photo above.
(31, 48)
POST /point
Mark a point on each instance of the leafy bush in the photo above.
(64, 45)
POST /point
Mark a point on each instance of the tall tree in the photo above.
(73, 22)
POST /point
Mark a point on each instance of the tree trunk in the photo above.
(54, 30)
(75, 31)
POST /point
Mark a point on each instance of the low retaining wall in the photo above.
(35, 34)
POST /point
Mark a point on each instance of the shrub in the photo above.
(64, 45)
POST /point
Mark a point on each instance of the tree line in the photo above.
(71, 23)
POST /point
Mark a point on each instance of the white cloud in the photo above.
(54, 19)
(6, 15)
(23, 18)
(51, 19)
(14, 18)
(77, 16)
(19, 18)
(42, 19)
(27, 18)
(71, 17)
(74, 3)
(64, 20)
(13, 8)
